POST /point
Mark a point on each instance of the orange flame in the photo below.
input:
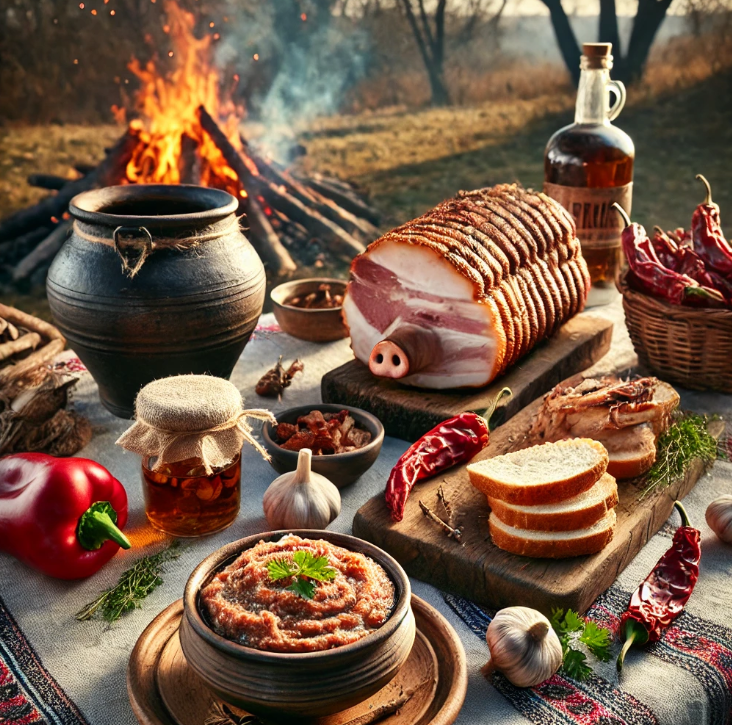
(167, 107)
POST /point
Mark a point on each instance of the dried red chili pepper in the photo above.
(707, 235)
(666, 249)
(665, 591)
(656, 279)
(456, 440)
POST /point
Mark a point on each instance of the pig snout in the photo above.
(389, 360)
(406, 351)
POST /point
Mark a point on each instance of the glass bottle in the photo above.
(588, 165)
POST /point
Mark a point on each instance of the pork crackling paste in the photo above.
(244, 605)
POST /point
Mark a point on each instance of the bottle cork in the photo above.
(596, 55)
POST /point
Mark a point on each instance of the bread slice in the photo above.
(553, 544)
(578, 512)
(632, 450)
(543, 474)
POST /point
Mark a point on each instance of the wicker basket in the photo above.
(691, 346)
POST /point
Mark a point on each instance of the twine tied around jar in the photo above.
(135, 244)
(191, 416)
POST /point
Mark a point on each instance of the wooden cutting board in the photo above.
(408, 413)
(485, 574)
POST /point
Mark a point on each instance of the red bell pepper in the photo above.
(61, 516)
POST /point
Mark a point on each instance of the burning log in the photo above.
(109, 171)
(47, 181)
(189, 164)
(344, 198)
(44, 252)
(272, 252)
(278, 198)
(312, 198)
(12, 250)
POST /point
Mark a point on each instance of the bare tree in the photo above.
(429, 34)
(431, 44)
(628, 67)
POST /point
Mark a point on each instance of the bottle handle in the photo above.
(619, 89)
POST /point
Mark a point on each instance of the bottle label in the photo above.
(598, 224)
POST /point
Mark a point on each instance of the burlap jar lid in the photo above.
(191, 416)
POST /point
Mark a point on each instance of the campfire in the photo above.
(185, 129)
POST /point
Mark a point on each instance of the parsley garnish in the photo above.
(596, 639)
(303, 566)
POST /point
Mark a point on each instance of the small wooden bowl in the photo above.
(287, 685)
(323, 325)
(340, 468)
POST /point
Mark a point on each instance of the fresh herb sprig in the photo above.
(687, 438)
(304, 566)
(133, 586)
(571, 628)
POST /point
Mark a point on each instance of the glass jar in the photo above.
(189, 431)
(182, 500)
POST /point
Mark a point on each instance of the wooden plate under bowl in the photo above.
(163, 690)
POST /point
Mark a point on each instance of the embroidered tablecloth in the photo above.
(56, 670)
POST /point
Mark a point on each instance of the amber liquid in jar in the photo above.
(587, 166)
(181, 500)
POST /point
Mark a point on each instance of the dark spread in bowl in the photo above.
(243, 604)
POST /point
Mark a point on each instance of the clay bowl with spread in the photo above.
(340, 468)
(287, 685)
(323, 324)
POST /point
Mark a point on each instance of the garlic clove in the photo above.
(523, 646)
(719, 517)
(301, 499)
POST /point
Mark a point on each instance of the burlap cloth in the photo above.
(191, 416)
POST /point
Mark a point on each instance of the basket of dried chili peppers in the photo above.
(677, 297)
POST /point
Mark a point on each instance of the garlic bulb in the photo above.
(301, 499)
(523, 646)
(719, 517)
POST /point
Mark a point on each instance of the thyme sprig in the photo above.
(133, 586)
(687, 438)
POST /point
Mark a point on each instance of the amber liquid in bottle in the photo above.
(587, 166)
(181, 500)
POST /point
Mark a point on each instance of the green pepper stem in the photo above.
(99, 524)
(488, 412)
(708, 200)
(624, 651)
(684, 516)
(622, 213)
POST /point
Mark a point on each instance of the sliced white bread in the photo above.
(553, 544)
(543, 474)
(632, 450)
(578, 512)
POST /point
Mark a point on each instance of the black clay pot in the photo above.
(189, 307)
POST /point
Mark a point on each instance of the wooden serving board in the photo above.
(408, 413)
(164, 690)
(483, 573)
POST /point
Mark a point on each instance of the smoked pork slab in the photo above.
(455, 297)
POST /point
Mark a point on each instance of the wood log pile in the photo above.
(34, 389)
(291, 220)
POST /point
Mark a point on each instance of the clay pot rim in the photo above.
(87, 206)
(226, 554)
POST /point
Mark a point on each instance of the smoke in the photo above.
(307, 60)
